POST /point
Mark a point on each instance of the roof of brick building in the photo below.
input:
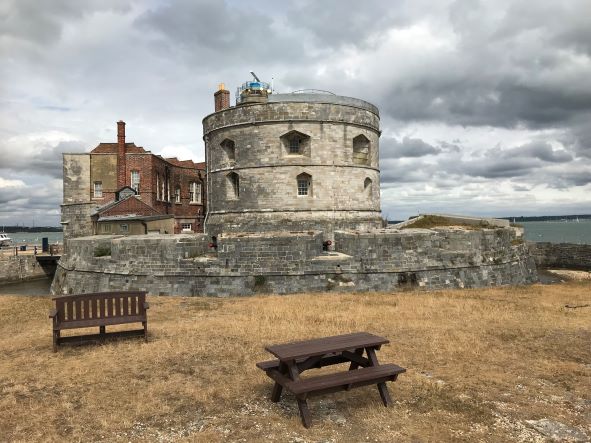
(111, 148)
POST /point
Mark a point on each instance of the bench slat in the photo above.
(109, 307)
(100, 322)
(342, 379)
(133, 306)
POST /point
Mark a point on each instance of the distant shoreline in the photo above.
(14, 229)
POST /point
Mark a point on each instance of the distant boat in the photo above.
(5, 240)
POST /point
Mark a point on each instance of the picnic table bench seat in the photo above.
(99, 309)
(323, 384)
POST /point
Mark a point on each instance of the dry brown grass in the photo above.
(480, 363)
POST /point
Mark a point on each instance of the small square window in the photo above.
(187, 226)
(124, 228)
(303, 185)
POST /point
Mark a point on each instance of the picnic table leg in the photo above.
(382, 388)
(354, 365)
(294, 374)
(277, 388)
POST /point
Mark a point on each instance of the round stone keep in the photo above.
(293, 162)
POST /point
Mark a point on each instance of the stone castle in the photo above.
(292, 201)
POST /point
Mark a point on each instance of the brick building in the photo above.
(162, 186)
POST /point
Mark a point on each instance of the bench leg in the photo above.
(56, 337)
(102, 330)
(382, 388)
(304, 412)
(145, 323)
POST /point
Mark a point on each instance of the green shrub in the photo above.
(102, 251)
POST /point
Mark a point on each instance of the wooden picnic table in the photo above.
(297, 357)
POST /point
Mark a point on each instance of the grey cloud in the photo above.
(42, 22)
(335, 23)
(45, 160)
(212, 33)
(407, 147)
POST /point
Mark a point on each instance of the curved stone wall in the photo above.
(253, 175)
(287, 262)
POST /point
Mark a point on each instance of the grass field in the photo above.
(480, 363)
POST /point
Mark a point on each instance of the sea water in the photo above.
(34, 238)
(559, 231)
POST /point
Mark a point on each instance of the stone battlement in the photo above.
(287, 262)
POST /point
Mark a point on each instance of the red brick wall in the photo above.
(130, 206)
(222, 99)
(149, 165)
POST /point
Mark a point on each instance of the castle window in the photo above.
(368, 187)
(177, 194)
(135, 180)
(233, 185)
(304, 182)
(195, 192)
(229, 148)
(98, 189)
(296, 143)
(361, 146)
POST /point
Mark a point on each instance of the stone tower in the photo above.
(292, 162)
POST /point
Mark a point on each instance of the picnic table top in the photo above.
(325, 345)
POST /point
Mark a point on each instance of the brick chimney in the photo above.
(121, 166)
(222, 98)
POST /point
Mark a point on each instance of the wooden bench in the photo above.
(294, 358)
(100, 309)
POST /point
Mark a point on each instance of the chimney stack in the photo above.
(222, 98)
(121, 163)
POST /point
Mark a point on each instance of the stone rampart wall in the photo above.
(561, 255)
(287, 262)
(23, 267)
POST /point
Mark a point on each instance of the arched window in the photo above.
(229, 148)
(304, 184)
(361, 150)
(233, 185)
(368, 187)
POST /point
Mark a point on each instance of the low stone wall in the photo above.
(561, 255)
(22, 268)
(288, 262)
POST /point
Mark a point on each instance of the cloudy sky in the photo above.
(485, 106)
